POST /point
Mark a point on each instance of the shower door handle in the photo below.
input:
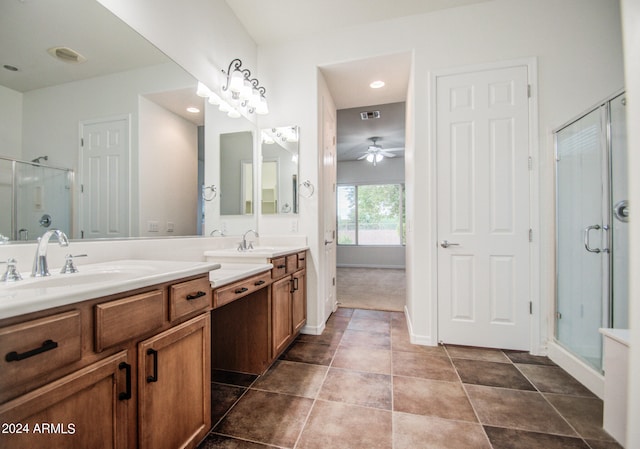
(586, 238)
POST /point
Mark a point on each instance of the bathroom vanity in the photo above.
(126, 352)
(256, 318)
(90, 373)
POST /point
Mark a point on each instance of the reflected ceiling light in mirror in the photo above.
(376, 84)
(193, 110)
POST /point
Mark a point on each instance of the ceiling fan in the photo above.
(375, 153)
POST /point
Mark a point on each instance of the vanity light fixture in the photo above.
(243, 91)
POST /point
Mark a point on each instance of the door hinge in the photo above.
(558, 315)
(530, 163)
(529, 90)
(81, 141)
(81, 188)
(333, 280)
(530, 235)
(530, 307)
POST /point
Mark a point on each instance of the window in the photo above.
(371, 214)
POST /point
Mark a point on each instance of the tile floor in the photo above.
(362, 384)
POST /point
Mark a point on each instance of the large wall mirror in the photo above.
(107, 84)
(279, 170)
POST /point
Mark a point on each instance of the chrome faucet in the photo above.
(243, 246)
(212, 233)
(40, 267)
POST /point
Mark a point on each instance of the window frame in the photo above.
(401, 214)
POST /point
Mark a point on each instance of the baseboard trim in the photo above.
(422, 340)
(313, 330)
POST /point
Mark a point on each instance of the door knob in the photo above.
(447, 244)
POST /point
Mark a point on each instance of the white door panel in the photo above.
(329, 189)
(105, 179)
(483, 208)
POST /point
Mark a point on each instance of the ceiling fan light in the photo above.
(370, 157)
(379, 157)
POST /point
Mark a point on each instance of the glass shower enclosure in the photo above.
(34, 197)
(591, 229)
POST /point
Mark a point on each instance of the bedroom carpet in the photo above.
(371, 288)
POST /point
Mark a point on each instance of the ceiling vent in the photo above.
(369, 115)
(66, 54)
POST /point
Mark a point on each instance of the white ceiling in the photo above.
(274, 21)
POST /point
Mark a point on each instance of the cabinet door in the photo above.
(298, 302)
(87, 410)
(174, 386)
(280, 314)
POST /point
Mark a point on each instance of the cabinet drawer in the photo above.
(235, 291)
(38, 347)
(292, 263)
(279, 267)
(123, 319)
(189, 297)
(302, 260)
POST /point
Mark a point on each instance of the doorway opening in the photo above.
(368, 197)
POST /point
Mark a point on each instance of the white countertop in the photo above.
(92, 281)
(622, 336)
(231, 272)
(259, 254)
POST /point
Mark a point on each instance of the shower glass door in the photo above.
(582, 257)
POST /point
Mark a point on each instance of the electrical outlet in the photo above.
(152, 226)
(170, 226)
(294, 225)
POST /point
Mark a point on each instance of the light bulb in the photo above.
(370, 157)
(236, 82)
(202, 90)
(379, 157)
(262, 107)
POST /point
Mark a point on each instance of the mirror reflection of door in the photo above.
(105, 179)
(269, 201)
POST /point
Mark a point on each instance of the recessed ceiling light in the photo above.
(376, 84)
(193, 110)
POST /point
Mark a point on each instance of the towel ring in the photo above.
(308, 190)
(213, 192)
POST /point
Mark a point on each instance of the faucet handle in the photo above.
(69, 267)
(12, 274)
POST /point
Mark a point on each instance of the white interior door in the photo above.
(329, 206)
(483, 208)
(105, 179)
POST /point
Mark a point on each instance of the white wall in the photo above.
(577, 44)
(631, 27)
(10, 123)
(168, 175)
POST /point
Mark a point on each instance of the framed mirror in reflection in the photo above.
(63, 106)
(236, 173)
(279, 170)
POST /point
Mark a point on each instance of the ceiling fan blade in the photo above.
(362, 157)
(387, 154)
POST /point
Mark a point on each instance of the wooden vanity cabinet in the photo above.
(87, 409)
(174, 392)
(129, 370)
(288, 301)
